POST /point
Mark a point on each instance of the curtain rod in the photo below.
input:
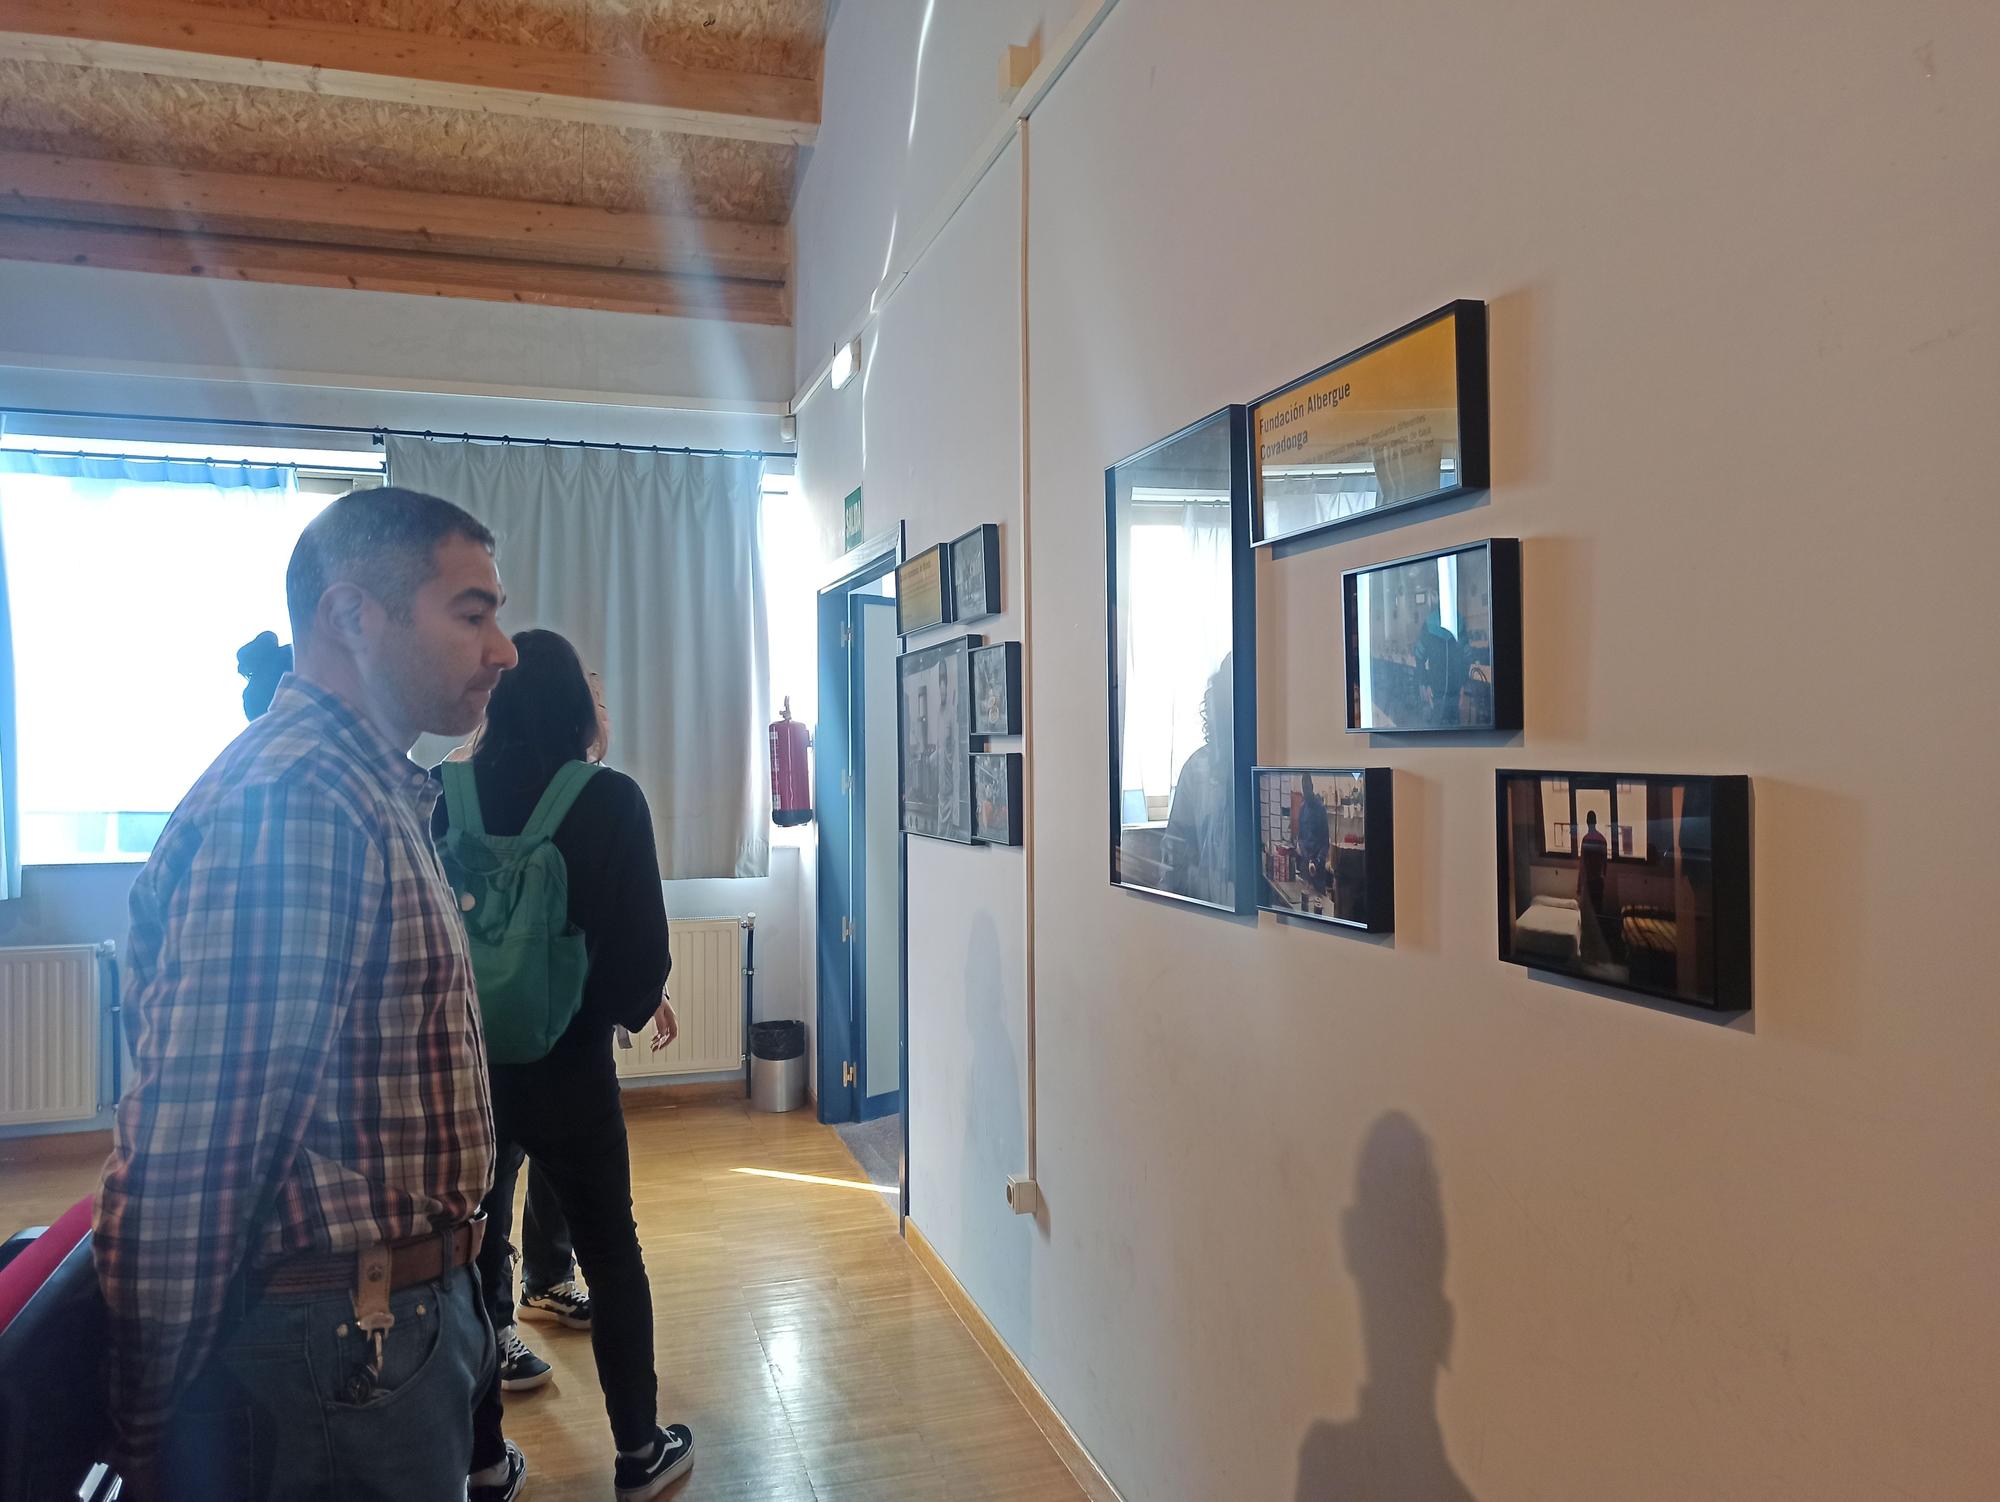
(379, 433)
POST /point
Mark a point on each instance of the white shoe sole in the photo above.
(660, 1482)
(526, 1384)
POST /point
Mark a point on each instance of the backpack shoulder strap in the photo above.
(554, 805)
(461, 797)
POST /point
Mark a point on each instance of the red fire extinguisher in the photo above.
(791, 787)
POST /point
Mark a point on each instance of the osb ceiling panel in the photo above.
(216, 127)
(780, 38)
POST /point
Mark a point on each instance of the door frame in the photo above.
(874, 558)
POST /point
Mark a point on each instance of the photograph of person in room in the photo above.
(1425, 648)
(936, 744)
(1611, 880)
(1199, 850)
(1312, 844)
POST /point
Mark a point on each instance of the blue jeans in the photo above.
(285, 1408)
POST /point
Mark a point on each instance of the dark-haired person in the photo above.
(290, 1203)
(564, 1110)
(263, 664)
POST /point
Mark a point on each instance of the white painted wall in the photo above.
(139, 323)
(1329, 1218)
(911, 87)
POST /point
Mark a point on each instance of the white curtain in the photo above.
(652, 565)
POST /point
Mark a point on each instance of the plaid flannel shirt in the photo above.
(309, 1072)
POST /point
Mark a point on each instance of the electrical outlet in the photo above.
(1024, 1196)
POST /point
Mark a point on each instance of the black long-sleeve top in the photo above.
(606, 841)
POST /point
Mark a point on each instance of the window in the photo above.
(130, 593)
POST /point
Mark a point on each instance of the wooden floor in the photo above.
(798, 1337)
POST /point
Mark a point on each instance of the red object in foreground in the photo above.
(21, 1278)
(791, 786)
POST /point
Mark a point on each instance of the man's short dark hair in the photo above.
(384, 540)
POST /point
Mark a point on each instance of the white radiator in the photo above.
(707, 988)
(51, 1033)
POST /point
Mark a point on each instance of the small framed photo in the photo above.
(975, 573)
(935, 713)
(996, 689)
(923, 591)
(1434, 642)
(1326, 845)
(1630, 880)
(996, 798)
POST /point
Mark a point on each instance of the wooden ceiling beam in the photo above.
(38, 186)
(240, 258)
(181, 39)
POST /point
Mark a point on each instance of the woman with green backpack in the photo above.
(553, 861)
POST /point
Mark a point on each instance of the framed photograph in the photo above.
(1183, 673)
(996, 689)
(1326, 845)
(996, 797)
(975, 573)
(923, 591)
(1398, 423)
(934, 712)
(1434, 642)
(1632, 880)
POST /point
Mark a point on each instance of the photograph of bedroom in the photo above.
(1611, 879)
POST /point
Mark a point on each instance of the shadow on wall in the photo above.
(1393, 1239)
(994, 1142)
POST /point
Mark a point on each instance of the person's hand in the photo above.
(666, 1026)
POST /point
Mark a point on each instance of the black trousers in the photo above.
(546, 1253)
(571, 1123)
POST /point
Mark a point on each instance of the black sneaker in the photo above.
(565, 1304)
(520, 1368)
(673, 1453)
(509, 1490)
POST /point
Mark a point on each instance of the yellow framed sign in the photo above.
(1397, 423)
(923, 592)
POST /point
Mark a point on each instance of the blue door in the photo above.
(875, 873)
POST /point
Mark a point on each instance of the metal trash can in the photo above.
(777, 1065)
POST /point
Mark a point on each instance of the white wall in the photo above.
(1329, 1218)
(911, 88)
(139, 323)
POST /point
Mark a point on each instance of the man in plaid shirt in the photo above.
(286, 1216)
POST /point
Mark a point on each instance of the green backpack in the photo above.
(528, 960)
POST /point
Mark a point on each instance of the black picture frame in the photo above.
(1671, 921)
(1357, 885)
(920, 607)
(1495, 700)
(996, 671)
(1130, 868)
(975, 574)
(1472, 438)
(996, 821)
(933, 766)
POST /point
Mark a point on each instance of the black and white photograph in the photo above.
(1632, 881)
(975, 573)
(1182, 669)
(996, 689)
(996, 798)
(1434, 642)
(936, 708)
(1325, 846)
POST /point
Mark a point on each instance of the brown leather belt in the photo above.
(417, 1259)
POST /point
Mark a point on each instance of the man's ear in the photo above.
(343, 615)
